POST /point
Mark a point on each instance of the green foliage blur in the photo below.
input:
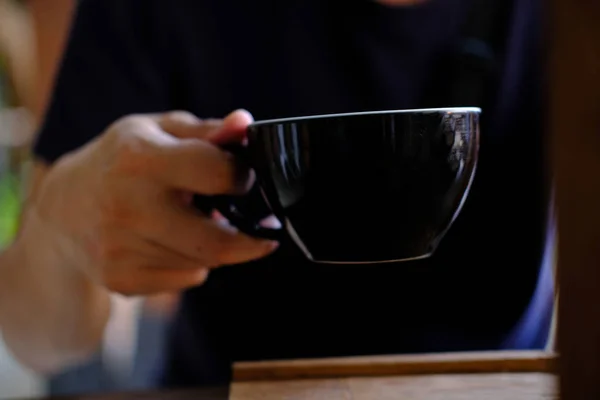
(9, 208)
(9, 171)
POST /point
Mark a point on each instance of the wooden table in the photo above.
(466, 376)
(454, 376)
(497, 386)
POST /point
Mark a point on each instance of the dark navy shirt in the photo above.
(484, 288)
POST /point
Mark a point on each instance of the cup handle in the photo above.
(244, 212)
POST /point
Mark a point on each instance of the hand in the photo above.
(120, 206)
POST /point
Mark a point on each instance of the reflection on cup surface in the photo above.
(367, 187)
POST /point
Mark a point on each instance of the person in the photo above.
(134, 129)
(50, 22)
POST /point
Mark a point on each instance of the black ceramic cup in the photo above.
(366, 187)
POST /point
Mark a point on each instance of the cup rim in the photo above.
(475, 110)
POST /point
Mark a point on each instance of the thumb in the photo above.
(185, 125)
(233, 128)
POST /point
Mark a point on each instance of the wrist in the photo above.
(45, 293)
(7, 262)
(51, 313)
(40, 253)
(45, 233)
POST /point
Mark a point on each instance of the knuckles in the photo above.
(133, 156)
(130, 144)
(180, 116)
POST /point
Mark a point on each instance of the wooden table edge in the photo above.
(391, 365)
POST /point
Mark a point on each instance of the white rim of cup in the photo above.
(445, 110)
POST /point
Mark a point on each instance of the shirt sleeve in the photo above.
(114, 65)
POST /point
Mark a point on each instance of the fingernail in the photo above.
(272, 246)
(242, 113)
(271, 222)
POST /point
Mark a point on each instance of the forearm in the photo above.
(51, 316)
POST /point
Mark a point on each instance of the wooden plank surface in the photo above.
(511, 386)
(475, 362)
(507, 386)
(517, 375)
(574, 117)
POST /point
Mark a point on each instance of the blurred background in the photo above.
(32, 38)
(32, 35)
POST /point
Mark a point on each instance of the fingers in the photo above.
(112, 249)
(132, 265)
(158, 279)
(211, 242)
(152, 280)
(199, 167)
(195, 162)
(185, 125)
(233, 129)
